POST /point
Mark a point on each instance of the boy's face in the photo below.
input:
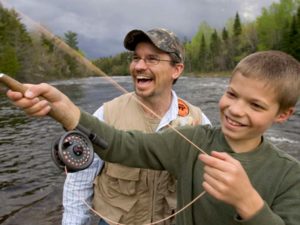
(247, 109)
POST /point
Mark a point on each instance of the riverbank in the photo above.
(208, 74)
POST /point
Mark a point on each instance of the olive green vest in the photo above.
(133, 195)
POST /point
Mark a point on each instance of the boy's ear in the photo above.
(284, 115)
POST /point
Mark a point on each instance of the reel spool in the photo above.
(73, 150)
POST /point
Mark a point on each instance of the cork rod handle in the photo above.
(15, 85)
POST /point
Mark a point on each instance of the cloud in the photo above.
(102, 24)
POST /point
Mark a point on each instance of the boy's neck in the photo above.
(242, 146)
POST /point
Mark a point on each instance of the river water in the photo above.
(31, 184)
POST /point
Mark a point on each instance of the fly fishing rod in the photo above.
(73, 150)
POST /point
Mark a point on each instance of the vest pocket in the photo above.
(115, 189)
(170, 198)
(123, 179)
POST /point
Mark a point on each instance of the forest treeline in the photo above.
(30, 56)
(213, 51)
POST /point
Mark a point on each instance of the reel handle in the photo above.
(15, 85)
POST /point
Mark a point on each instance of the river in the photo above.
(31, 184)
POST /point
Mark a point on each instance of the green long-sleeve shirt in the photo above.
(273, 173)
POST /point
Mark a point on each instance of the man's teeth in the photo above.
(143, 77)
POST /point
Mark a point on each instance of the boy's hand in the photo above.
(63, 109)
(30, 103)
(226, 180)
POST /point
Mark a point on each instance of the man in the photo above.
(133, 195)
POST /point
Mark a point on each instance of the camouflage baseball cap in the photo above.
(162, 38)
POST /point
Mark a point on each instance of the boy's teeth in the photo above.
(233, 122)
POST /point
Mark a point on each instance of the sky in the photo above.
(101, 25)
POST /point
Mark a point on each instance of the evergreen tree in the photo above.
(236, 39)
(226, 55)
(273, 24)
(294, 36)
(15, 43)
(202, 55)
(215, 49)
(225, 34)
(9, 63)
(237, 27)
(71, 38)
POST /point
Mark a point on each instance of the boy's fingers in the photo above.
(38, 108)
(218, 160)
(14, 96)
(36, 90)
(210, 160)
(223, 156)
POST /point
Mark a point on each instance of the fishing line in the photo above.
(82, 60)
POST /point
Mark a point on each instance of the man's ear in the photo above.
(178, 69)
(284, 115)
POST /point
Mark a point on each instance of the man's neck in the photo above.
(156, 106)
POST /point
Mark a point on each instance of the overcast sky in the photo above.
(102, 24)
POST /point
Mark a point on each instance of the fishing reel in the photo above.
(74, 150)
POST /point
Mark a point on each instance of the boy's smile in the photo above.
(248, 108)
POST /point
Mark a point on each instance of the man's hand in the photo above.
(226, 180)
(43, 99)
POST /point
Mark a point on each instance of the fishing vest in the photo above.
(132, 195)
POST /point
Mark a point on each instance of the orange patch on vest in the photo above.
(183, 109)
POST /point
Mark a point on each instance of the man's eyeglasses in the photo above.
(149, 60)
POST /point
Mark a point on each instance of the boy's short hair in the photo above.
(279, 70)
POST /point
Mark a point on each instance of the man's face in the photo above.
(247, 109)
(152, 80)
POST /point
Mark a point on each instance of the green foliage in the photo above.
(9, 63)
(71, 39)
(225, 34)
(272, 24)
(117, 65)
(34, 57)
(276, 28)
(292, 38)
(197, 48)
(237, 27)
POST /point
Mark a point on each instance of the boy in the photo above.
(248, 180)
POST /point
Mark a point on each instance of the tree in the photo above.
(225, 35)
(215, 50)
(9, 63)
(272, 24)
(202, 55)
(193, 47)
(292, 43)
(236, 39)
(71, 38)
(237, 27)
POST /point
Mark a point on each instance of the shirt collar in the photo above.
(171, 114)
